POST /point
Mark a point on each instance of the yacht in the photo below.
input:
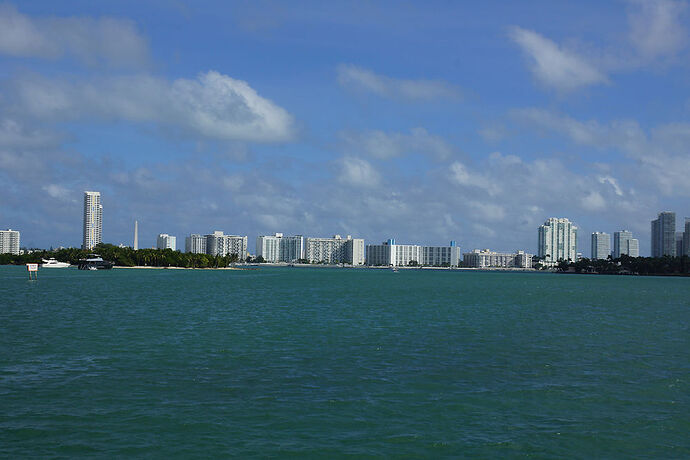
(94, 262)
(52, 263)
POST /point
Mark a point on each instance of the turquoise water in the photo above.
(335, 362)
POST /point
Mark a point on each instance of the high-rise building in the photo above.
(268, 247)
(165, 241)
(195, 244)
(218, 244)
(336, 250)
(664, 234)
(686, 237)
(93, 220)
(601, 245)
(625, 244)
(401, 255)
(291, 248)
(9, 241)
(679, 244)
(441, 256)
(557, 241)
(397, 255)
(136, 235)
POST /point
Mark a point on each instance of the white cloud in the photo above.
(379, 144)
(58, 192)
(14, 134)
(625, 134)
(357, 172)
(555, 66)
(92, 41)
(613, 183)
(359, 79)
(656, 29)
(213, 106)
(460, 175)
(593, 201)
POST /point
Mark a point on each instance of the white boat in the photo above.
(52, 263)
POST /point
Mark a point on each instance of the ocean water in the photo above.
(330, 363)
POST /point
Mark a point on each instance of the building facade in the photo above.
(9, 241)
(557, 241)
(625, 244)
(441, 256)
(93, 220)
(165, 241)
(195, 244)
(280, 248)
(601, 245)
(335, 250)
(489, 259)
(218, 244)
(686, 237)
(664, 234)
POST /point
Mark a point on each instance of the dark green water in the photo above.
(333, 362)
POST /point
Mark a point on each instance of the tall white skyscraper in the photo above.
(625, 244)
(557, 241)
(165, 241)
(9, 241)
(601, 245)
(93, 220)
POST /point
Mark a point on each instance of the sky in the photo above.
(420, 121)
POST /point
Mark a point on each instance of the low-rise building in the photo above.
(9, 241)
(490, 259)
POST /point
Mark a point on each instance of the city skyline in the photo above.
(426, 122)
(558, 233)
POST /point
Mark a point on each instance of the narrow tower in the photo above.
(93, 220)
(136, 235)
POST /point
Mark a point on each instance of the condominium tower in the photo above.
(93, 220)
(195, 244)
(625, 244)
(664, 234)
(9, 242)
(218, 244)
(336, 250)
(280, 248)
(165, 241)
(557, 241)
(601, 245)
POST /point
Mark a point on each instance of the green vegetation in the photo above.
(626, 265)
(126, 257)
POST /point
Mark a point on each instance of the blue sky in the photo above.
(423, 121)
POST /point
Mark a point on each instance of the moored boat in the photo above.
(52, 263)
(94, 262)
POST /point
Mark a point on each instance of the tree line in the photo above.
(126, 257)
(626, 265)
